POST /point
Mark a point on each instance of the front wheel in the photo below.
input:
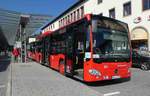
(145, 66)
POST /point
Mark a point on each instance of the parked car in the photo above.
(141, 59)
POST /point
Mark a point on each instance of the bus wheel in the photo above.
(62, 66)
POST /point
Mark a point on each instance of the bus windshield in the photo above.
(110, 40)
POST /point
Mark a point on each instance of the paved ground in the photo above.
(139, 85)
(4, 73)
(32, 79)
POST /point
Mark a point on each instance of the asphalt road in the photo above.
(138, 85)
(4, 73)
(32, 79)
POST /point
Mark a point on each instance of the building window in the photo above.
(71, 17)
(78, 14)
(68, 19)
(82, 11)
(146, 4)
(127, 9)
(59, 23)
(53, 25)
(74, 15)
(99, 1)
(63, 22)
(112, 13)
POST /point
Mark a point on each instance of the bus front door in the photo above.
(79, 45)
(45, 51)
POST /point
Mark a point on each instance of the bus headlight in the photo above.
(94, 72)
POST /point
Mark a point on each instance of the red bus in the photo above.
(31, 50)
(34, 50)
(93, 48)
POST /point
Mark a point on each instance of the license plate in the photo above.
(115, 77)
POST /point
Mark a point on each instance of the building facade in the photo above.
(136, 13)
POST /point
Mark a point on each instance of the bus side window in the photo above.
(69, 44)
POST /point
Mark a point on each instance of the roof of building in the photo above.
(9, 24)
(66, 11)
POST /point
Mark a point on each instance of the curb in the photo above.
(9, 84)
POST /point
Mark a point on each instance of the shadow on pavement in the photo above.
(108, 82)
(4, 63)
(103, 83)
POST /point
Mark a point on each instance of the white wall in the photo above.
(92, 7)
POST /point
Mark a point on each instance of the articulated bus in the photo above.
(34, 50)
(91, 49)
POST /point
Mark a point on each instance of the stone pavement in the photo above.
(4, 74)
(33, 79)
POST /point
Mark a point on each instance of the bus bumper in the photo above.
(106, 71)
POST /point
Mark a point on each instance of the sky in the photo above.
(46, 7)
